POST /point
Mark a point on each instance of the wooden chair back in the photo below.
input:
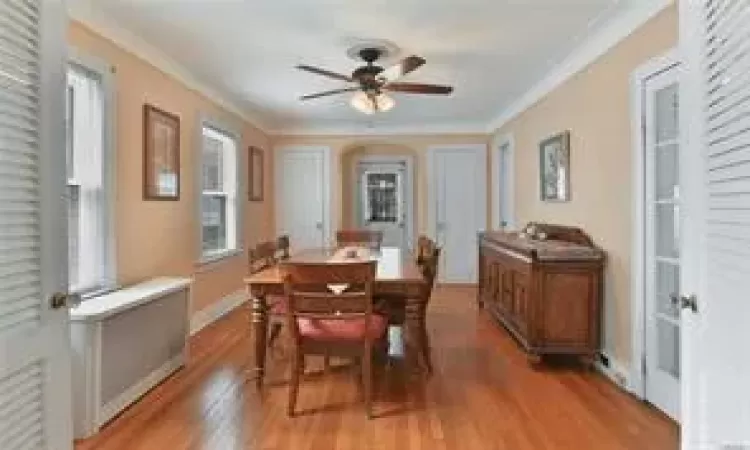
(306, 286)
(363, 238)
(430, 270)
(425, 247)
(262, 256)
(282, 247)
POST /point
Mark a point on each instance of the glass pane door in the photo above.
(662, 153)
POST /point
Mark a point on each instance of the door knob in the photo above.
(685, 302)
(62, 300)
(319, 225)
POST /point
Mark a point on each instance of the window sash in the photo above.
(219, 177)
(89, 189)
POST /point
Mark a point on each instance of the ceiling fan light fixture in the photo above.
(370, 104)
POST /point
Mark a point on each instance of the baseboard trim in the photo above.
(108, 411)
(615, 372)
(216, 311)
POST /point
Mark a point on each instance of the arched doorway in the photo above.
(377, 186)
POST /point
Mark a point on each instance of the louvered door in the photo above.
(35, 383)
(715, 181)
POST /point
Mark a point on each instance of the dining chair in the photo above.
(419, 310)
(263, 256)
(331, 322)
(394, 306)
(359, 237)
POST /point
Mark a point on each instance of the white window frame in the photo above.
(236, 247)
(106, 73)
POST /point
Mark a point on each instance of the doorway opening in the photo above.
(378, 192)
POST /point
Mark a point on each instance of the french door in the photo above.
(663, 222)
(35, 385)
(715, 185)
(382, 201)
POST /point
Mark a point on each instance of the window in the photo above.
(90, 237)
(219, 200)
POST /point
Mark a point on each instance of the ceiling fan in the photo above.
(372, 82)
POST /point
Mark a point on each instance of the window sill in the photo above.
(207, 260)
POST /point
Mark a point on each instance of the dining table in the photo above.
(398, 277)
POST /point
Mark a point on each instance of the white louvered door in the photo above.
(35, 385)
(715, 174)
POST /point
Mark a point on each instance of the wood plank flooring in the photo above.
(482, 395)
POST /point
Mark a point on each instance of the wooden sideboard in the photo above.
(547, 293)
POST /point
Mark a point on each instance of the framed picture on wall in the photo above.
(554, 168)
(161, 154)
(255, 174)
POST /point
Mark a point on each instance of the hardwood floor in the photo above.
(482, 395)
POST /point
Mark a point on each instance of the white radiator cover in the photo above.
(125, 343)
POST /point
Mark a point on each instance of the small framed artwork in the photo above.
(255, 174)
(161, 154)
(554, 168)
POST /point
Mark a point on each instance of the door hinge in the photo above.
(643, 365)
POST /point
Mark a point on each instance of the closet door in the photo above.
(35, 385)
(715, 183)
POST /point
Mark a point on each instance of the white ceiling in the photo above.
(491, 51)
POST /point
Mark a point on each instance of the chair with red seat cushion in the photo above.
(324, 322)
(263, 256)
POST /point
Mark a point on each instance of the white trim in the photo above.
(480, 155)
(615, 372)
(638, 262)
(592, 48)
(495, 197)
(408, 161)
(92, 17)
(217, 310)
(330, 178)
(230, 129)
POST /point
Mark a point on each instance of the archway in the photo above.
(361, 158)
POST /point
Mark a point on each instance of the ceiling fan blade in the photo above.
(419, 88)
(327, 93)
(325, 73)
(407, 65)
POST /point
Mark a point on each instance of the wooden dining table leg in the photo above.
(259, 320)
(413, 332)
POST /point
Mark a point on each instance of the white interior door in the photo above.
(457, 207)
(662, 239)
(35, 384)
(715, 183)
(302, 196)
(382, 200)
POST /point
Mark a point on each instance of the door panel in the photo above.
(302, 197)
(459, 193)
(716, 232)
(35, 385)
(663, 241)
(382, 201)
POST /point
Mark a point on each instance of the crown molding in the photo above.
(86, 13)
(387, 130)
(592, 48)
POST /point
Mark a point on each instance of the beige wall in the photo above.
(161, 238)
(342, 146)
(595, 106)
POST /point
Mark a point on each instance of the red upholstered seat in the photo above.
(342, 329)
(277, 305)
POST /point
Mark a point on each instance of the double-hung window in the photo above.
(220, 212)
(89, 179)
